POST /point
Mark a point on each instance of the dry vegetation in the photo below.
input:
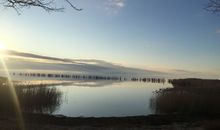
(189, 97)
(32, 99)
(193, 98)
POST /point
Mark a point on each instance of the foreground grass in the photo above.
(195, 98)
(189, 97)
(31, 99)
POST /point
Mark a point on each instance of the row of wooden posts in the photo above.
(152, 80)
(89, 77)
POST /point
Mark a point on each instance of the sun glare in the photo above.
(2, 46)
(12, 89)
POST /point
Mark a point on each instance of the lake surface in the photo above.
(88, 97)
(106, 98)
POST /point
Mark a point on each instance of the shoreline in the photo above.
(50, 122)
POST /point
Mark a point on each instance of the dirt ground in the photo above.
(153, 122)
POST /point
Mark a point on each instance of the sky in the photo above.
(177, 35)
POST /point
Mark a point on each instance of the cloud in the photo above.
(114, 6)
(119, 3)
(218, 31)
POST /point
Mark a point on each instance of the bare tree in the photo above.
(213, 6)
(47, 5)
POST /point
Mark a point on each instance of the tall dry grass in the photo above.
(188, 97)
(32, 99)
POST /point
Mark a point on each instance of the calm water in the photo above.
(88, 98)
(106, 98)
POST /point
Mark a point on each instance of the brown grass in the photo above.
(33, 100)
(189, 97)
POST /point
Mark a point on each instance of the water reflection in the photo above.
(109, 99)
(94, 83)
(87, 98)
(85, 82)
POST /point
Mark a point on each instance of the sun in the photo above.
(2, 46)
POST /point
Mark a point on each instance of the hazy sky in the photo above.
(164, 34)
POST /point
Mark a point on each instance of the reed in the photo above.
(188, 97)
(32, 99)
